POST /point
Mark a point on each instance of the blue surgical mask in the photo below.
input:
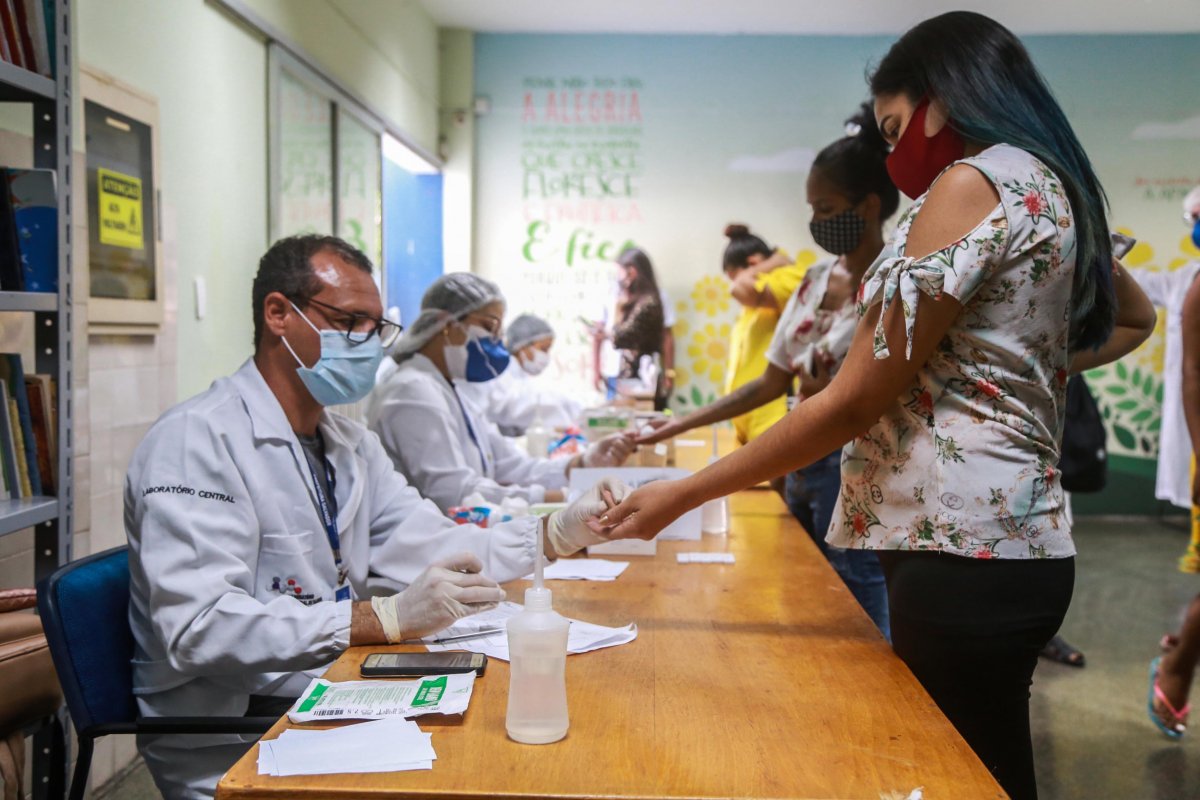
(486, 355)
(345, 372)
(1196, 233)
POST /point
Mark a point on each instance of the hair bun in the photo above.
(861, 127)
(736, 230)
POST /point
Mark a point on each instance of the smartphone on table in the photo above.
(407, 665)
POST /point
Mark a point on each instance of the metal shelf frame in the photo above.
(52, 518)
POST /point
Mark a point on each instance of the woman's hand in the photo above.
(818, 379)
(643, 514)
(663, 429)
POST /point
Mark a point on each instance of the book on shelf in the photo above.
(32, 198)
(31, 16)
(24, 487)
(13, 374)
(37, 387)
(8, 452)
(28, 34)
(8, 18)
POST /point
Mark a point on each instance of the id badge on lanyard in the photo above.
(328, 509)
(487, 467)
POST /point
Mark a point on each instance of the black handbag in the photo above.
(1084, 461)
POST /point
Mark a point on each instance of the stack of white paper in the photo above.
(583, 569)
(583, 637)
(386, 745)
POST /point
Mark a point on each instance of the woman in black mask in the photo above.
(851, 195)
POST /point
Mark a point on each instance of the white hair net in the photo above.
(525, 330)
(450, 297)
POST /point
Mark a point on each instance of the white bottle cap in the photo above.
(537, 599)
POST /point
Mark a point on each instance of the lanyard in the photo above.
(328, 509)
(471, 430)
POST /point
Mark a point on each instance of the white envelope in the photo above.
(686, 527)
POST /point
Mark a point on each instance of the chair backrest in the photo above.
(85, 611)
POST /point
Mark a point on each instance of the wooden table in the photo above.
(760, 679)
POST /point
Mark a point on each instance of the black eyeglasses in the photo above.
(359, 328)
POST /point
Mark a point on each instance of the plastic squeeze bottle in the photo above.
(537, 685)
(538, 436)
(714, 515)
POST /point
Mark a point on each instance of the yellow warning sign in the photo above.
(120, 200)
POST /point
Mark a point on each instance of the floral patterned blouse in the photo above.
(806, 332)
(965, 461)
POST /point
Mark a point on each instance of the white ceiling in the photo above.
(842, 17)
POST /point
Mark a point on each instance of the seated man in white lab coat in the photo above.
(259, 522)
(443, 444)
(515, 399)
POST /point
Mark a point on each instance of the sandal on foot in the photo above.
(1057, 649)
(1166, 718)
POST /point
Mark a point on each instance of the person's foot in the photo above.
(1058, 649)
(1169, 700)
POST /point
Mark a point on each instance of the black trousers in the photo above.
(970, 631)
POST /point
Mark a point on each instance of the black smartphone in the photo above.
(406, 665)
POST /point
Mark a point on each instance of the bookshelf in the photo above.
(50, 517)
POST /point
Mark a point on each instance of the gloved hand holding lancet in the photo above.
(568, 530)
(446, 591)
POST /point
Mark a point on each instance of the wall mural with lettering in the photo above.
(594, 143)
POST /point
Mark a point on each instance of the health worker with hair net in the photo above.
(521, 394)
(268, 533)
(442, 442)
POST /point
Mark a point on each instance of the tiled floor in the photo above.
(1091, 736)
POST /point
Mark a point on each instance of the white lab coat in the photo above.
(516, 398)
(1167, 290)
(221, 517)
(428, 435)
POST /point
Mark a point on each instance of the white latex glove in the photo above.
(611, 451)
(568, 530)
(447, 590)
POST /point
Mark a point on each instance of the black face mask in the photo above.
(838, 235)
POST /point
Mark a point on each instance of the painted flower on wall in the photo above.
(709, 351)
(711, 295)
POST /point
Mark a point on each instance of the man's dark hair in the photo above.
(287, 268)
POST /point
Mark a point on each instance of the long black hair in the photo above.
(857, 163)
(994, 94)
(645, 284)
(742, 245)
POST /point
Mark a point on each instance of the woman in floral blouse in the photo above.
(851, 195)
(951, 396)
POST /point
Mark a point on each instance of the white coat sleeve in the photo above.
(419, 431)
(194, 559)
(515, 467)
(408, 532)
(1156, 284)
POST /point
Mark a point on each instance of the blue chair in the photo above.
(85, 611)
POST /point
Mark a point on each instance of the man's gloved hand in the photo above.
(447, 590)
(611, 451)
(569, 530)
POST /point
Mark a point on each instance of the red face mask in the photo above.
(918, 159)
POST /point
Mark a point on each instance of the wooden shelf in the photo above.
(18, 84)
(17, 515)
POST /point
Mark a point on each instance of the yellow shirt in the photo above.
(748, 349)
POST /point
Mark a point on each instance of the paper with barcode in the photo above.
(439, 694)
